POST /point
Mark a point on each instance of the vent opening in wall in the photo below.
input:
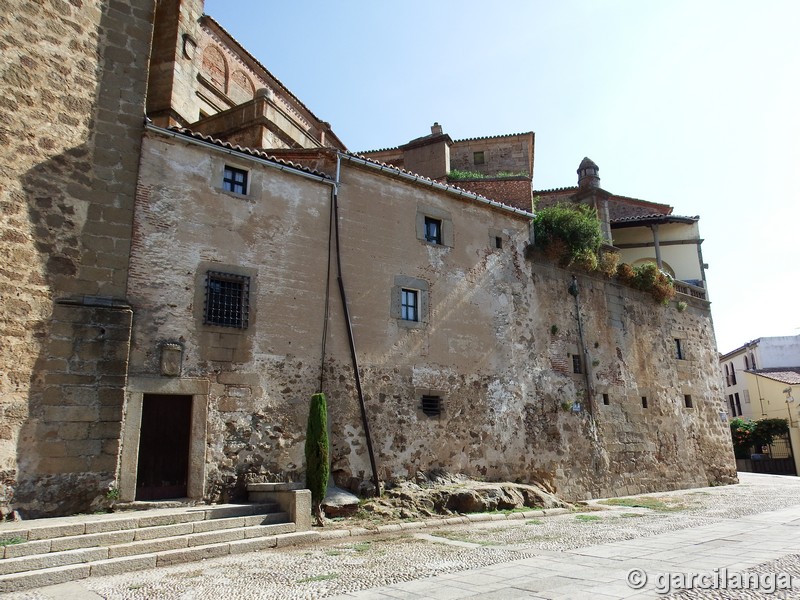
(431, 405)
(687, 400)
(644, 401)
(606, 399)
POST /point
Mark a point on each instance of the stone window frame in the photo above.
(199, 299)
(220, 163)
(211, 316)
(479, 157)
(679, 348)
(430, 212)
(422, 287)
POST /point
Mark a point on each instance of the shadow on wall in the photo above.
(80, 207)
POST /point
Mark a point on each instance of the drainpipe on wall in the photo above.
(350, 338)
(587, 368)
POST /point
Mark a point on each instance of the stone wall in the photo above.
(71, 115)
(496, 342)
(514, 191)
(511, 153)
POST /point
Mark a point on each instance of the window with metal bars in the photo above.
(227, 300)
(234, 180)
(431, 405)
(576, 364)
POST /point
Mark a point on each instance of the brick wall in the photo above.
(515, 192)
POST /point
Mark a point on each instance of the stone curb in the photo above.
(332, 534)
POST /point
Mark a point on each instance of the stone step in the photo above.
(69, 527)
(51, 575)
(116, 549)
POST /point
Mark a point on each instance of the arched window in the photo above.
(215, 68)
(727, 376)
(753, 361)
(746, 363)
(733, 375)
(241, 88)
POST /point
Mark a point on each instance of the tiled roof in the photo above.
(243, 150)
(790, 375)
(656, 217)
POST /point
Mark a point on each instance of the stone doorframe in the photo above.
(134, 400)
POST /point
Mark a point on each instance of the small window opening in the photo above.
(606, 399)
(409, 305)
(433, 230)
(431, 405)
(227, 300)
(498, 242)
(679, 349)
(687, 400)
(234, 180)
(576, 363)
(644, 401)
(478, 158)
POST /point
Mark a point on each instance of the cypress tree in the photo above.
(317, 466)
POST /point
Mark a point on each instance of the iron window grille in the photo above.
(234, 180)
(576, 364)
(433, 230)
(227, 300)
(409, 305)
(431, 405)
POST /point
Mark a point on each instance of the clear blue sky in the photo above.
(690, 103)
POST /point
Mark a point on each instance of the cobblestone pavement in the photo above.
(750, 527)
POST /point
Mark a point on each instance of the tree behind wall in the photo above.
(317, 450)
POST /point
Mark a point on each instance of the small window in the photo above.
(576, 363)
(498, 242)
(431, 405)
(409, 305)
(753, 361)
(733, 375)
(727, 376)
(433, 230)
(478, 158)
(227, 300)
(234, 180)
(746, 363)
(679, 349)
(738, 403)
(606, 399)
(687, 400)
(732, 405)
(644, 401)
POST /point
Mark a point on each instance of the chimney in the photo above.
(436, 129)
(588, 174)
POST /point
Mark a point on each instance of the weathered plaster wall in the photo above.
(495, 342)
(513, 153)
(71, 112)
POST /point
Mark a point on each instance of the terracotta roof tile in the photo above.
(790, 375)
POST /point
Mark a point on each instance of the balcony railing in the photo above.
(690, 290)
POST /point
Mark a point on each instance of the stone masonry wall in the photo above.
(495, 342)
(515, 192)
(71, 112)
(512, 153)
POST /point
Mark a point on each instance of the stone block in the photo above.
(126, 564)
(216, 537)
(55, 531)
(23, 581)
(391, 528)
(264, 530)
(91, 540)
(151, 533)
(148, 546)
(115, 524)
(192, 554)
(52, 559)
(27, 549)
(299, 537)
(252, 544)
(217, 524)
(171, 519)
(267, 519)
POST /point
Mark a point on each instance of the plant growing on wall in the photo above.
(317, 452)
(650, 278)
(568, 234)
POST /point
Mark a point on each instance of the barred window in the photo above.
(227, 300)
(431, 405)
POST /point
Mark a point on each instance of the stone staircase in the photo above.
(50, 551)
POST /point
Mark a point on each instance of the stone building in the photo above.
(172, 294)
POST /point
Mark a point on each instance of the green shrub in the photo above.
(765, 430)
(568, 233)
(607, 263)
(317, 451)
(650, 278)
